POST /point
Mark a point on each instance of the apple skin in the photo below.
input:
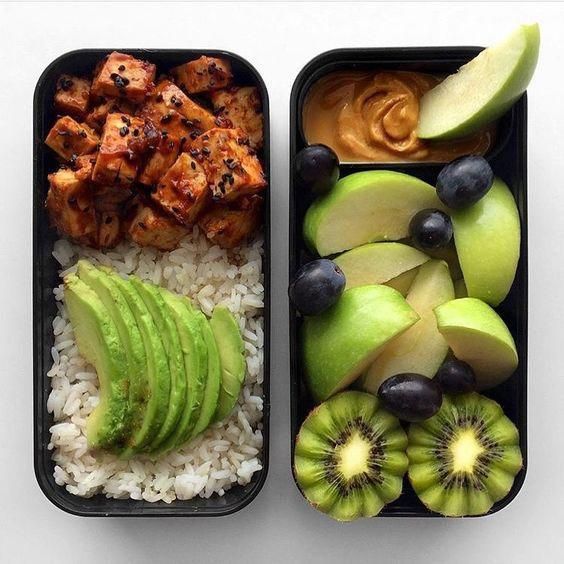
(344, 340)
(487, 236)
(477, 335)
(364, 207)
(421, 349)
(378, 263)
(511, 90)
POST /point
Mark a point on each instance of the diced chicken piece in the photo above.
(96, 118)
(70, 139)
(242, 106)
(72, 95)
(203, 74)
(152, 227)
(120, 150)
(124, 76)
(183, 190)
(231, 168)
(70, 205)
(230, 226)
(109, 230)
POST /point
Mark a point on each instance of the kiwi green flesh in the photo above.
(350, 457)
(465, 458)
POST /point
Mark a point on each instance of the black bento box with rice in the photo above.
(353, 114)
(155, 177)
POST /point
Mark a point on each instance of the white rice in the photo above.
(227, 453)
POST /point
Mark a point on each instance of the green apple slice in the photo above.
(477, 335)
(403, 282)
(487, 236)
(483, 89)
(377, 263)
(365, 207)
(421, 349)
(343, 341)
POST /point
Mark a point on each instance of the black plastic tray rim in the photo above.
(516, 118)
(43, 465)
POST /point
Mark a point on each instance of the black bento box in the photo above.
(45, 277)
(508, 159)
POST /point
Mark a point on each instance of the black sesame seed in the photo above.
(187, 122)
(193, 165)
(83, 134)
(121, 68)
(206, 150)
(126, 120)
(135, 132)
(124, 131)
(166, 118)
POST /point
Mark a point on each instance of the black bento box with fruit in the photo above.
(408, 279)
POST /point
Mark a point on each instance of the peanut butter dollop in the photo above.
(372, 117)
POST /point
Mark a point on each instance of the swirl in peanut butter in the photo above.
(367, 116)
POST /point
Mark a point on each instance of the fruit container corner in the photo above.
(45, 277)
(508, 159)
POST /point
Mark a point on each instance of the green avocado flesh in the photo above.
(156, 370)
(171, 340)
(98, 340)
(195, 365)
(213, 382)
(129, 334)
(232, 359)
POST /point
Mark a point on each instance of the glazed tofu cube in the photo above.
(72, 95)
(118, 158)
(124, 76)
(150, 227)
(232, 169)
(229, 226)
(96, 118)
(84, 165)
(243, 108)
(70, 139)
(109, 230)
(183, 191)
(160, 161)
(71, 207)
(203, 74)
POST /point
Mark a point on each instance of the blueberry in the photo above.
(464, 181)
(411, 397)
(317, 286)
(456, 377)
(317, 168)
(430, 229)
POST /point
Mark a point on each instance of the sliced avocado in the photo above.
(98, 340)
(129, 334)
(213, 381)
(195, 365)
(171, 341)
(157, 371)
(232, 359)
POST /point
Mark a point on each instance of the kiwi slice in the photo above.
(465, 458)
(350, 459)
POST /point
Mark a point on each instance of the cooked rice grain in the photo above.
(227, 453)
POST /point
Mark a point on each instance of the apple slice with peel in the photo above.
(364, 207)
(403, 282)
(377, 263)
(344, 340)
(487, 236)
(483, 89)
(477, 335)
(421, 349)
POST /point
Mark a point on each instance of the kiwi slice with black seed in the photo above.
(465, 458)
(350, 459)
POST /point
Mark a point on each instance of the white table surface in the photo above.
(279, 526)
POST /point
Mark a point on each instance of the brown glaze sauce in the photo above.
(372, 117)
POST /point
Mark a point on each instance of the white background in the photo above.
(279, 526)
